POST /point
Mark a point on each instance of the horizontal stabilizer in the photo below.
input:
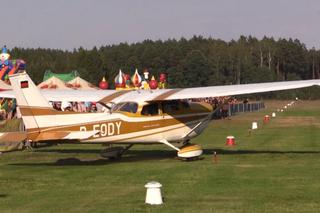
(11, 141)
(12, 136)
(80, 135)
(65, 135)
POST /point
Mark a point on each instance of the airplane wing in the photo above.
(217, 91)
(116, 96)
(212, 91)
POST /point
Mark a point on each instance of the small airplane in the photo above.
(133, 117)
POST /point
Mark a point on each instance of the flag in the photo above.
(24, 84)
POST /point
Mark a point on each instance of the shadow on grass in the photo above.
(141, 155)
(3, 195)
(70, 151)
(246, 152)
(130, 156)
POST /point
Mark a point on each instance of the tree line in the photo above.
(191, 62)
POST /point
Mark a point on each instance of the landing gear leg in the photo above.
(186, 142)
(28, 145)
(114, 153)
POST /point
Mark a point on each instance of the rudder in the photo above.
(29, 98)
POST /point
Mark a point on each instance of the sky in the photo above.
(68, 24)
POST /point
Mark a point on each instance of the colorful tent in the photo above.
(53, 83)
(62, 76)
(79, 83)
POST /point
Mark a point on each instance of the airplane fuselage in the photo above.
(179, 123)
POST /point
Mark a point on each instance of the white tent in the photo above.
(53, 83)
(79, 83)
(4, 86)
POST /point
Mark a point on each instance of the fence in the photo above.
(232, 109)
(248, 107)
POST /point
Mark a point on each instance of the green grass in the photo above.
(275, 169)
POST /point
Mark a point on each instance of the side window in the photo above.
(170, 106)
(185, 104)
(150, 109)
(127, 107)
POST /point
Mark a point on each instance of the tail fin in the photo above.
(37, 113)
(29, 99)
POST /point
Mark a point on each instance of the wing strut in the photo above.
(164, 141)
(196, 126)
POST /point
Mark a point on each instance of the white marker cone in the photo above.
(153, 195)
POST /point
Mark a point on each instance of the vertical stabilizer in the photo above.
(29, 100)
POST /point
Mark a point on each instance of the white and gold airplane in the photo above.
(136, 117)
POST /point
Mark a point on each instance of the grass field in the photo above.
(275, 169)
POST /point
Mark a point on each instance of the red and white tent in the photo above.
(79, 83)
(53, 83)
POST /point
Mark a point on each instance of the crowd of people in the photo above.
(78, 106)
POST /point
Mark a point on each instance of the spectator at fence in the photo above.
(225, 109)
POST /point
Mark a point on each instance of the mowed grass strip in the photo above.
(273, 169)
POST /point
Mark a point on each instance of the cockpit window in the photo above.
(116, 107)
(126, 107)
(171, 106)
(150, 109)
(185, 104)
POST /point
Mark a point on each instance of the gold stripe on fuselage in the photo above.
(110, 128)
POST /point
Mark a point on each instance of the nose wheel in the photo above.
(190, 151)
(187, 151)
